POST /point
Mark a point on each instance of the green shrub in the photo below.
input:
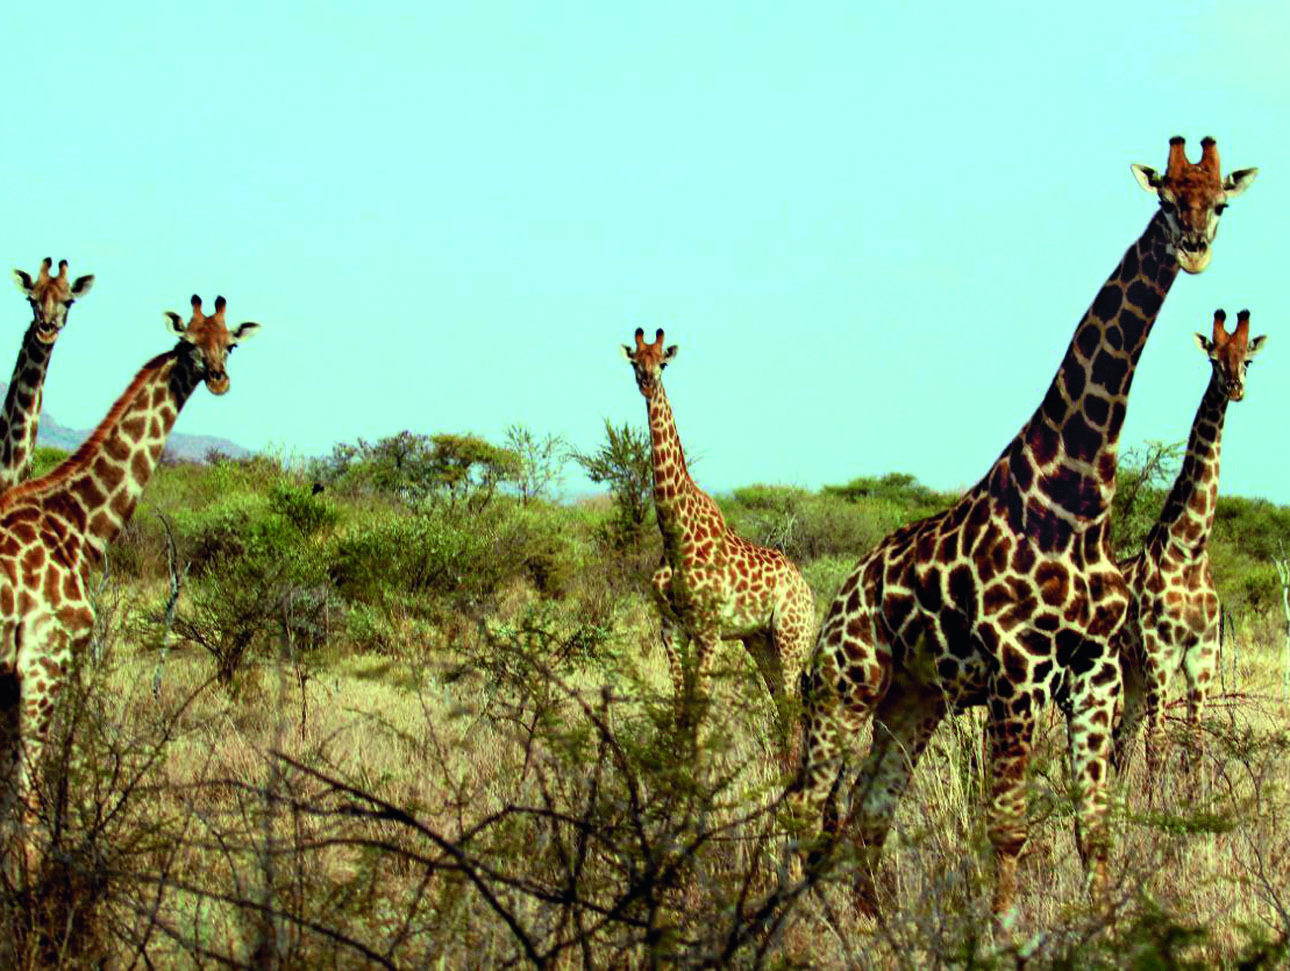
(808, 525)
(438, 549)
(302, 508)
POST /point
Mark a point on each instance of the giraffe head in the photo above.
(1231, 353)
(208, 341)
(1192, 197)
(50, 296)
(648, 361)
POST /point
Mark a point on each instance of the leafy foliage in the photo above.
(1142, 483)
(538, 461)
(624, 462)
(414, 467)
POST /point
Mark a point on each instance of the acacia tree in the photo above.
(539, 461)
(1144, 474)
(624, 462)
(415, 467)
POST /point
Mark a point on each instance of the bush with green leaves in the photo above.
(624, 462)
(808, 525)
(414, 467)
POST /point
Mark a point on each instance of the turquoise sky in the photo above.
(871, 228)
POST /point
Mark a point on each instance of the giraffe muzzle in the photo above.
(1193, 255)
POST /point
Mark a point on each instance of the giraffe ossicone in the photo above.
(54, 530)
(50, 298)
(1173, 619)
(713, 584)
(1010, 598)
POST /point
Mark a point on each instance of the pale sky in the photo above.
(871, 228)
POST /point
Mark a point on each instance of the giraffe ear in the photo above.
(669, 355)
(244, 332)
(627, 353)
(176, 324)
(1203, 342)
(1238, 182)
(82, 286)
(1255, 345)
(1147, 177)
(23, 280)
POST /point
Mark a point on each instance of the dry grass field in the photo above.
(443, 737)
(388, 813)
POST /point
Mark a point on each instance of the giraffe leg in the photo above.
(42, 672)
(903, 723)
(1198, 668)
(1092, 709)
(661, 585)
(834, 711)
(762, 647)
(1010, 728)
(1134, 703)
(10, 747)
(1155, 690)
(698, 695)
(791, 631)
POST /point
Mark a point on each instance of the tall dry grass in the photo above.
(521, 797)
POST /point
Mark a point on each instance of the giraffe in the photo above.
(54, 529)
(1174, 610)
(1010, 598)
(713, 584)
(50, 297)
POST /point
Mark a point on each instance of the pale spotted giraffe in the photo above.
(50, 298)
(1174, 609)
(713, 584)
(55, 529)
(1010, 598)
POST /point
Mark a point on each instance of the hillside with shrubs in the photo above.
(404, 706)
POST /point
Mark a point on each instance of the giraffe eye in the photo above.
(1218, 209)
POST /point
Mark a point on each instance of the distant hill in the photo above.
(179, 445)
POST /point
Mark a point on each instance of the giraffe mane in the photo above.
(84, 455)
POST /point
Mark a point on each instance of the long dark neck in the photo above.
(95, 492)
(1058, 475)
(1188, 514)
(681, 506)
(21, 415)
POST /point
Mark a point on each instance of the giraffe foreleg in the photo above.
(903, 724)
(1155, 690)
(792, 630)
(1199, 664)
(41, 673)
(661, 585)
(1133, 706)
(834, 711)
(1093, 699)
(1010, 728)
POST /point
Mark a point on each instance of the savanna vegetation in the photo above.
(401, 708)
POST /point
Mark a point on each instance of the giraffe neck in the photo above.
(683, 509)
(21, 414)
(1057, 477)
(95, 492)
(1188, 514)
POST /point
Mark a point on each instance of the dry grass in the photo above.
(477, 808)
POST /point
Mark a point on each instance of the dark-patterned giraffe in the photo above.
(53, 530)
(1174, 610)
(50, 297)
(1010, 598)
(713, 584)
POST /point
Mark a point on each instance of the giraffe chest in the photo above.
(961, 603)
(735, 590)
(43, 598)
(1178, 606)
